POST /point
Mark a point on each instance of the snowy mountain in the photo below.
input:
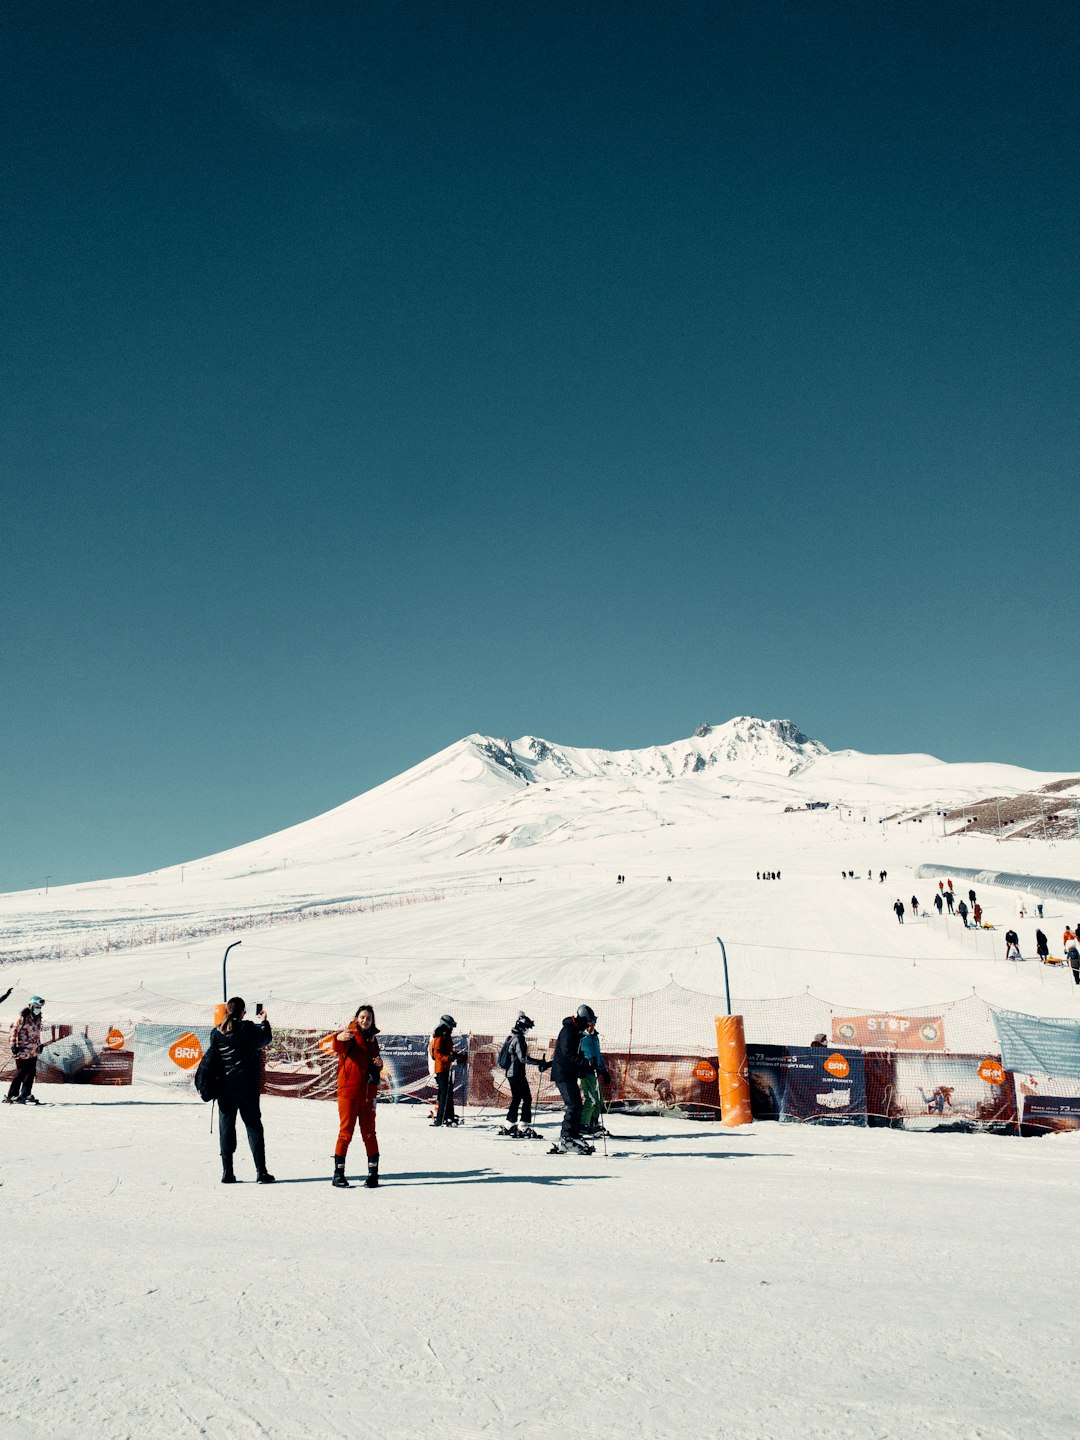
(409, 874)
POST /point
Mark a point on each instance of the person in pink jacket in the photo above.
(25, 1049)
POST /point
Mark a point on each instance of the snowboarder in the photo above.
(899, 908)
(567, 1068)
(359, 1072)
(517, 1059)
(236, 1042)
(443, 1058)
(1042, 946)
(25, 1049)
(593, 1100)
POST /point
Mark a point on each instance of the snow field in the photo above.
(762, 1283)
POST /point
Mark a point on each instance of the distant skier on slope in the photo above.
(915, 906)
(938, 905)
(899, 908)
(517, 1059)
(1042, 946)
(567, 1068)
(962, 911)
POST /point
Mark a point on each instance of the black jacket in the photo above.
(239, 1055)
(566, 1063)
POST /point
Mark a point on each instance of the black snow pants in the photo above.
(520, 1094)
(23, 1082)
(570, 1091)
(250, 1113)
(445, 1085)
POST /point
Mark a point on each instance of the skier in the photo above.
(915, 906)
(444, 1057)
(566, 1070)
(1042, 946)
(962, 911)
(517, 1058)
(593, 1106)
(25, 1049)
(949, 900)
(899, 908)
(937, 903)
(236, 1043)
(358, 1076)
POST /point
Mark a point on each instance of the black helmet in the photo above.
(586, 1013)
(447, 1020)
(523, 1022)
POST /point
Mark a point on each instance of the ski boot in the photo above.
(528, 1133)
(577, 1144)
(511, 1132)
(30, 1100)
(264, 1178)
(339, 1182)
(372, 1181)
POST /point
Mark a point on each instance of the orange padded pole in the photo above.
(733, 1079)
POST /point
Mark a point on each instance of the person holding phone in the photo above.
(359, 1073)
(237, 1043)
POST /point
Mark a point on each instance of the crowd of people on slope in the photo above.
(768, 874)
(230, 1073)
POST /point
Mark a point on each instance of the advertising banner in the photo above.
(951, 1092)
(168, 1055)
(81, 1055)
(889, 1032)
(801, 1082)
(1050, 1047)
(658, 1084)
(1052, 1112)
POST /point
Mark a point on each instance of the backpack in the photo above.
(505, 1055)
(208, 1075)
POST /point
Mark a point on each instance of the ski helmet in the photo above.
(523, 1022)
(36, 1002)
(447, 1020)
(586, 1013)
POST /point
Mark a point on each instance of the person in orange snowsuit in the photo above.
(359, 1072)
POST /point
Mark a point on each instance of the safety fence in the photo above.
(964, 1064)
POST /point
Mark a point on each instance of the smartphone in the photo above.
(258, 1008)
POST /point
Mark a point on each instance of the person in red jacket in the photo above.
(359, 1072)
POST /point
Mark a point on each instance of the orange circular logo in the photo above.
(837, 1066)
(114, 1040)
(992, 1071)
(704, 1071)
(186, 1052)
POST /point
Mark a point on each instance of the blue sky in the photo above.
(375, 374)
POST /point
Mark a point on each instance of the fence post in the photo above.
(732, 1077)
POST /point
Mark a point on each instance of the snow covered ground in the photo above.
(774, 1281)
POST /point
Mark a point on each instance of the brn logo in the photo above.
(186, 1052)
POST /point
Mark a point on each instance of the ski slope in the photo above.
(491, 867)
